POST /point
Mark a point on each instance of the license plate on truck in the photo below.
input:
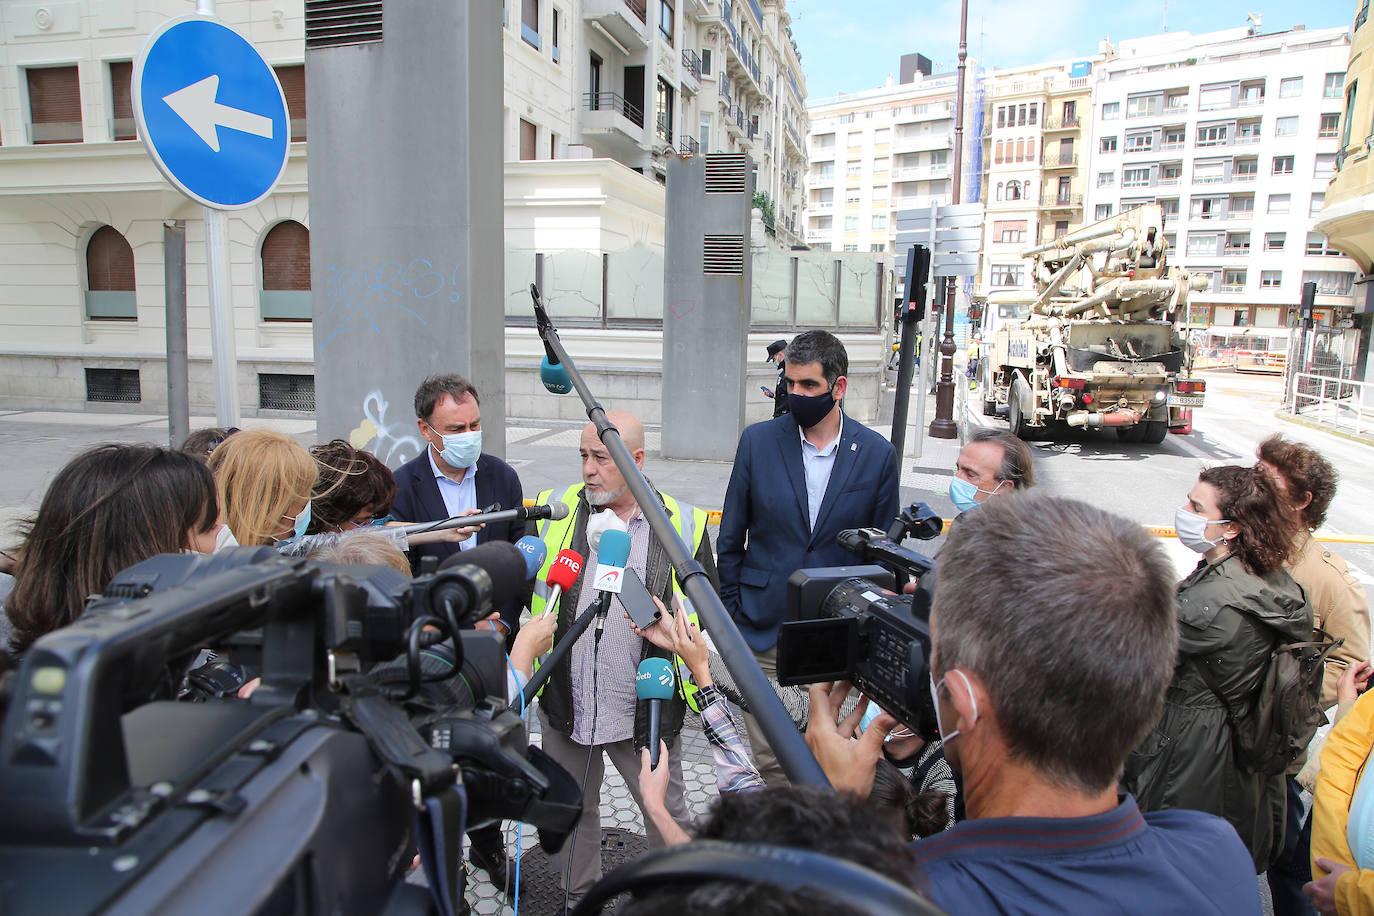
(1186, 400)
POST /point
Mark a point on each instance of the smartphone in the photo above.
(634, 598)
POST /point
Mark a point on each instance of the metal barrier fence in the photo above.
(1338, 402)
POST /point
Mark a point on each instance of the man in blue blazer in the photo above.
(798, 480)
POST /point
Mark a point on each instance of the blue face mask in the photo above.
(964, 495)
(462, 450)
(302, 521)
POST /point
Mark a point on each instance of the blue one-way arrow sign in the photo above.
(211, 113)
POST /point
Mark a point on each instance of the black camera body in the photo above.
(118, 799)
(851, 623)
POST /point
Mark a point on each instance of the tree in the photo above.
(765, 205)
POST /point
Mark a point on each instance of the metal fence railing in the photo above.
(1338, 402)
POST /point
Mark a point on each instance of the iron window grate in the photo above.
(726, 173)
(330, 23)
(280, 391)
(723, 255)
(118, 385)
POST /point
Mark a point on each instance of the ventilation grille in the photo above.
(278, 391)
(723, 255)
(726, 173)
(113, 385)
(329, 23)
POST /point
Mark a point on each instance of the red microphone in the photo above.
(567, 566)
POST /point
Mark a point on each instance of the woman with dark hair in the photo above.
(1234, 610)
(109, 508)
(354, 489)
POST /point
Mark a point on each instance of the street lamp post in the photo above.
(943, 426)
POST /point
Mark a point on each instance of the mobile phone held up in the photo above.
(634, 598)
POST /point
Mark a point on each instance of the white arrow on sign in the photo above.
(195, 104)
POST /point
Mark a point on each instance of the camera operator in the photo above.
(1046, 672)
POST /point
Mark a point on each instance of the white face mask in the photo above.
(935, 695)
(1192, 530)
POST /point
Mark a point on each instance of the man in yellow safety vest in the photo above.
(589, 708)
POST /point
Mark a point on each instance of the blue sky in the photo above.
(849, 45)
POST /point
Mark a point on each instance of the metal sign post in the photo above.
(213, 117)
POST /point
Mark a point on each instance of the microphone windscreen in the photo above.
(614, 549)
(558, 510)
(567, 566)
(654, 680)
(554, 377)
(503, 562)
(598, 523)
(534, 552)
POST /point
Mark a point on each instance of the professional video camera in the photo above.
(380, 725)
(852, 623)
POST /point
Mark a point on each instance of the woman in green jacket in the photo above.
(1234, 609)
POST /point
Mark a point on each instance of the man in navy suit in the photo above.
(452, 476)
(798, 480)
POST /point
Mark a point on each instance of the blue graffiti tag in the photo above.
(359, 298)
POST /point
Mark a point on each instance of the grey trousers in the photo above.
(586, 851)
(765, 761)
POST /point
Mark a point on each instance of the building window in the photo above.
(855, 139)
(1135, 178)
(292, 79)
(851, 224)
(882, 135)
(1173, 138)
(1330, 125)
(1106, 179)
(110, 277)
(706, 70)
(1002, 116)
(1279, 203)
(1314, 206)
(825, 171)
(1202, 244)
(1290, 88)
(1102, 211)
(1271, 279)
(1283, 165)
(529, 24)
(1233, 280)
(1034, 119)
(1213, 135)
(1325, 165)
(664, 106)
(1061, 228)
(878, 247)
(1169, 207)
(1140, 143)
(54, 105)
(665, 20)
(1330, 282)
(880, 222)
(880, 165)
(1319, 246)
(1006, 274)
(1349, 113)
(1111, 110)
(1252, 93)
(554, 52)
(1274, 241)
(121, 101)
(1013, 190)
(704, 135)
(852, 168)
(285, 292)
(1108, 145)
(998, 150)
(1286, 127)
(1010, 231)
(1237, 243)
(1245, 169)
(1331, 89)
(851, 248)
(529, 139)
(1142, 106)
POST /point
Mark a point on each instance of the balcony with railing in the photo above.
(691, 63)
(664, 128)
(1073, 122)
(1055, 201)
(1060, 160)
(921, 173)
(735, 121)
(931, 140)
(625, 20)
(740, 55)
(609, 113)
(688, 145)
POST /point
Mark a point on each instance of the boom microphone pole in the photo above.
(787, 743)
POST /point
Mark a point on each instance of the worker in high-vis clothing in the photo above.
(589, 708)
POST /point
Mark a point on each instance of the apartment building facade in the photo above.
(877, 152)
(82, 206)
(638, 81)
(1035, 126)
(1235, 134)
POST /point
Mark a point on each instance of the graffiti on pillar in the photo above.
(396, 443)
(380, 298)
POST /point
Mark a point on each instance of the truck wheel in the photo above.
(1154, 431)
(1015, 419)
(1131, 433)
(989, 394)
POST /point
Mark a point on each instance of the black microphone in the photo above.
(654, 682)
(488, 576)
(555, 510)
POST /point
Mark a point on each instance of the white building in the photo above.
(638, 81)
(1235, 134)
(82, 206)
(875, 152)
